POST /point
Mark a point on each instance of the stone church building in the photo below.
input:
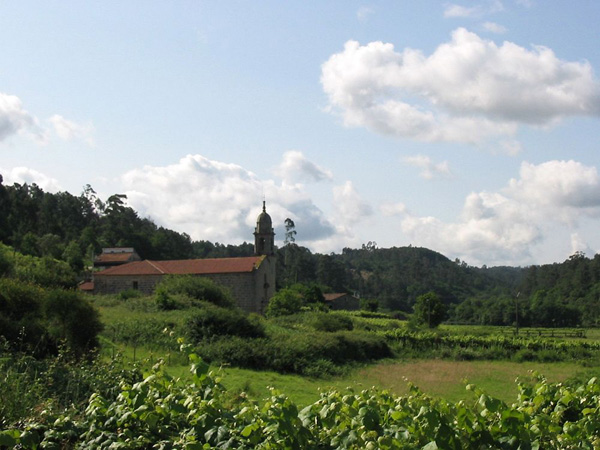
(251, 280)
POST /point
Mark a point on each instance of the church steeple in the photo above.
(264, 236)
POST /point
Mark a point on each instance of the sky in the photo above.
(470, 128)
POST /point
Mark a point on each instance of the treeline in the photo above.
(552, 295)
(75, 228)
(395, 276)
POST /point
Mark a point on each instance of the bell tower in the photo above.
(264, 236)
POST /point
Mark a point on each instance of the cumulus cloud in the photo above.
(349, 205)
(502, 227)
(563, 189)
(217, 201)
(13, 117)
(429, 169)
(468, 90)
(69, 130)
(24, 175)
(295, 168)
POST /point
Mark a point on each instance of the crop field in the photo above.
(205, 377)
(136, 330)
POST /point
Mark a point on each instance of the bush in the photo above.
(37, 320)
(21, 315)
(72, 319)
(212, 321)
(284, 302)
(44, 271)
(198, 288)
(312, 354)
(129, 293)
(330, 322)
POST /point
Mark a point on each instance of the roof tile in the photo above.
(186, 267)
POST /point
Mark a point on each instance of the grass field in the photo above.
(436, 377)
(439, 378)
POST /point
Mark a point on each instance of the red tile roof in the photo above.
(332, 297)
(86, 286)
(113, 257)
(186, 267)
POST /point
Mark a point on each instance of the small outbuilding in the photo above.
(342, 301)
(115, 256)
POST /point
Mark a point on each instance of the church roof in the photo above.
(263, 222)
(185, 267)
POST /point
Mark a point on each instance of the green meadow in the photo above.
(137, 331)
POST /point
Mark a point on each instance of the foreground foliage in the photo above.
(166, 413)
(39, 320)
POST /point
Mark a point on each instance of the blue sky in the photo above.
(469, 128)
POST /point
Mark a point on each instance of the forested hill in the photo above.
(74, 228)
(396, 276)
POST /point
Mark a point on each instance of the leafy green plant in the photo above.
(161, 412)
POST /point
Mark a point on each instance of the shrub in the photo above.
(211, 321)
(21, 314)
(313, 354)
(330, 322)
(38, 320)
(198, 288)
(525, 354)
(44, 271)
(284, 302)
(129, 293)
(72, 319)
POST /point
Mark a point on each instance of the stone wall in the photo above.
(115, 284)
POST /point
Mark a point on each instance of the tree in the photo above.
(429, 309)
(369, 304)
(290, 231)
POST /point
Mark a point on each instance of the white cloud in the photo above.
(493, 27)
(13, 118)
(564, 189)
(364, 12)
(295, 167)
(490, 7)
(429, 169)
(462, 11)
(69, 130)
(349, 206)
(216, 201)
(392, 209)
(24, 175)
(503, 227)
(469, 90)
(578, 244)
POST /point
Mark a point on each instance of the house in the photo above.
(342, 301)
(115, 256)
(251, 280)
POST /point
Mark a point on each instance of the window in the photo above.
(135, 285)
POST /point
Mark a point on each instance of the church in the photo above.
(251, 280)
